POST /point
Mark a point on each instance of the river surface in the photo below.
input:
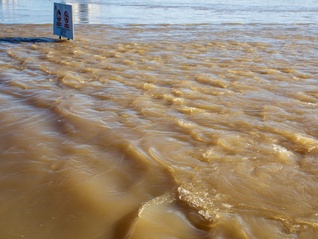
(180, 128)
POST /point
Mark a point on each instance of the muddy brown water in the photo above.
(159, 131)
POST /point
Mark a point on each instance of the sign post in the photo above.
(63, 21)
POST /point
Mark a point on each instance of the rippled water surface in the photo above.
(139, 131)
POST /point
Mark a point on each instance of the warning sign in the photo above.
(59, 18)
(63, 20)
(66, 19)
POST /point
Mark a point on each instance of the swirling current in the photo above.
(159, 131)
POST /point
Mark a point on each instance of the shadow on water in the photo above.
(18, 40)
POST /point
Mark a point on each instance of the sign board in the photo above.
(63, 20)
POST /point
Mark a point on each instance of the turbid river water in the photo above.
(159, 131)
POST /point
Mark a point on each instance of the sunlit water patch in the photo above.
(159, 131)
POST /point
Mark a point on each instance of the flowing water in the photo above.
(160, 130)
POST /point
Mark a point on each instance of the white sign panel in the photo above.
(63, 20)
